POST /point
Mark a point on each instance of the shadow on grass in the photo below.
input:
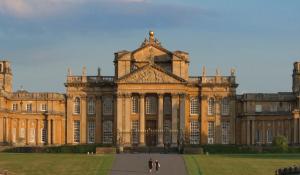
(263, 156)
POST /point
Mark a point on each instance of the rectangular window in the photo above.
(76, 131)
(29, 107)
(135, 104)
(194, 106)
(225, 132)
(44, 107)
(167, 105)
(257, 136)
(211, 133)
(108, 106)
(91, 131)
(44, 132)
(258, 108)
(269, 136)
(15, 107)
(151, 105)
(225, 106)
(135, 131)
(107, 132)
(91, 106)
(195, 132)
(167, 131)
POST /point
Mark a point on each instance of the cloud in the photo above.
(45, 8)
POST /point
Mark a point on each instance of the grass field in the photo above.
(57, 164)
(259, 164)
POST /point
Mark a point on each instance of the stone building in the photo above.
(150, 101)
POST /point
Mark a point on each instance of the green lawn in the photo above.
(56, 164)
(257, 164)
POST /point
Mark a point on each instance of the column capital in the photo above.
(142, 95)
(160, 95)
(175, 94)
(127, 95)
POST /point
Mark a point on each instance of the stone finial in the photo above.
(84, 71)
(69, 72)
(218, 72)
(151, 36)
(232, 72)
(99, 71)
(203, 71)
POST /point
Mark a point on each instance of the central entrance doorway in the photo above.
(151, 132)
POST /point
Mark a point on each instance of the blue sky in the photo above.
(260, 38)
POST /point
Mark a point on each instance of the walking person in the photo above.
(150, 165)
(157, 165)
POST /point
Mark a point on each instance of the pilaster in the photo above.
(160, 119)
(142, 119)
(175, 106)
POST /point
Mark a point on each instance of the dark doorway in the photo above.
(151, 132)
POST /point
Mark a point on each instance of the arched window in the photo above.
(77, 105)
(211, 106)
(225, 106)
(91, 106)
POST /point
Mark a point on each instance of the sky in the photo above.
(43, 38)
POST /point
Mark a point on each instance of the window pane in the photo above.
(194, 106)
(211, 132)
(135, 104)
(107, 132)
(76, 131)
(135, 131)
(91, 131)
(225, 106)
(195, 133)
(91, 106)
(108, 106)
(211, 106)
(77, 106)
(225, 132)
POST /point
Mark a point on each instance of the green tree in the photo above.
(280, 144)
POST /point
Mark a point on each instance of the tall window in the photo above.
(211, 106)
(15, 107)
(269, 136)
(91, 106)
(44, 132)
(194, 106)
(29, 107)
(134, 132)
(76, 131)
(91, 131)
(77, 105)
(167, 131)
(257, 136)
(167, 105)
(258, 108)
(195, 133)
(135, 104)
(107, 132)
(211, 133)
(225, 132)
(44, 107)
(225, 106)
(151, 105)
(107, 105)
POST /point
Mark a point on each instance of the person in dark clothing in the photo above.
(157, 165)
(150, 165)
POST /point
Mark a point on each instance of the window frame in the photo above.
(91, 106)
(76, 131)
(77, 106)
(211, 106)
(194, 106)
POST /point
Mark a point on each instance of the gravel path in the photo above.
(137, 164)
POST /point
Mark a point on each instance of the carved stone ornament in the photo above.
(149, 75)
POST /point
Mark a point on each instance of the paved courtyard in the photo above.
(137, 164)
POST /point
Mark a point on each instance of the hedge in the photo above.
(57, 149)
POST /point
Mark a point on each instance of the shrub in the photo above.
(280, 144)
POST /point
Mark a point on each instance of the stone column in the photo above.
(98, 111)
(182, 112)
(54, 140)
(8, 130)
(49, 131)
(119, 119)
(127, 133)
(38, 132)
(160, 119)
(27, 129)
(295, 121)
(69, 128)
(253, 132)
(142, 119)
(1, 129)
(263, 135)
(83, 128)
(248, 132)
(175, 105)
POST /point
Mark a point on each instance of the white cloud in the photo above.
(41, 8)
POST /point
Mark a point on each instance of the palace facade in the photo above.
(150, 101)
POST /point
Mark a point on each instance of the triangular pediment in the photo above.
(150, 74)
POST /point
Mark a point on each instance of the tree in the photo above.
(280, 144)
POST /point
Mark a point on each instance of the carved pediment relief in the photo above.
(149, 74)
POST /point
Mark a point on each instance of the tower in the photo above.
(6, 76)
(296, 77)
